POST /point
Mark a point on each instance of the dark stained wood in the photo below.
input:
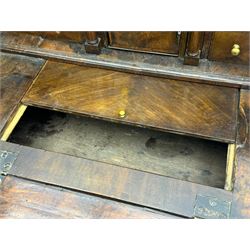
(194, 44)
(223, 42)
(206, 44)
(241, 192)
(16, 75)
(93, 43)
(212, 72)
(161, 42)
(177, 106)
(25, 199)
(193, 50)
(137, 187)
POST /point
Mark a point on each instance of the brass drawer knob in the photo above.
(122, 113)
(235, 50)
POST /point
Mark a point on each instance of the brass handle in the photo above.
(122, 113)
(235, 50)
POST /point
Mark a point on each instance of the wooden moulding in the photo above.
(93, 43)
(212, 72)
(193, 50)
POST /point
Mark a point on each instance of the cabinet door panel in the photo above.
(156, 42)
(222, 44)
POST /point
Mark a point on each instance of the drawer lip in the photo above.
(184, 107)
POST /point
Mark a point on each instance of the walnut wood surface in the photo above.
(223, 42)
(137, 187)
(202, 110)
(23, 199)
(163, 42)
(212, 72)
(194, 46)
(241, 193)
(16, 75)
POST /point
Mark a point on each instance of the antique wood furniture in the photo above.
(125, 125)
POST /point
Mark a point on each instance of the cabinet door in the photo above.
(154, 42)
(223, 43)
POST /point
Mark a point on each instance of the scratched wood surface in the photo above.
(23, 199)
(124, 184)
(212, 72)
(241, 193)
(16, 75)
(163, 42)
(178, 106)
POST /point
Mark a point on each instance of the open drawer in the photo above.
(129, 155)
(142, 166)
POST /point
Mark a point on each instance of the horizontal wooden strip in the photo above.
(157, 65)
(28, 199)
(145, 189)
(177, 106)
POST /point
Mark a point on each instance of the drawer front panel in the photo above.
(198, 109)
(159, 42)
(223, 43)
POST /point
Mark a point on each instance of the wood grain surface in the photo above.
(16, 75)
(183, 107)
(222, 43)
(23, 199)
(162, 42)
(241, 193)
(137, 187)
(212, 72)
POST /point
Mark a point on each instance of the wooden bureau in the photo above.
(154, 120)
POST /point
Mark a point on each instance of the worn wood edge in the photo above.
(164, 201)
(172, 73)
(230, 166)
(13, 122)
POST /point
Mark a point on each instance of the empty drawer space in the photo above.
(181, 157)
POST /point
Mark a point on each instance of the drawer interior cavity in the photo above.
(177, 156)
